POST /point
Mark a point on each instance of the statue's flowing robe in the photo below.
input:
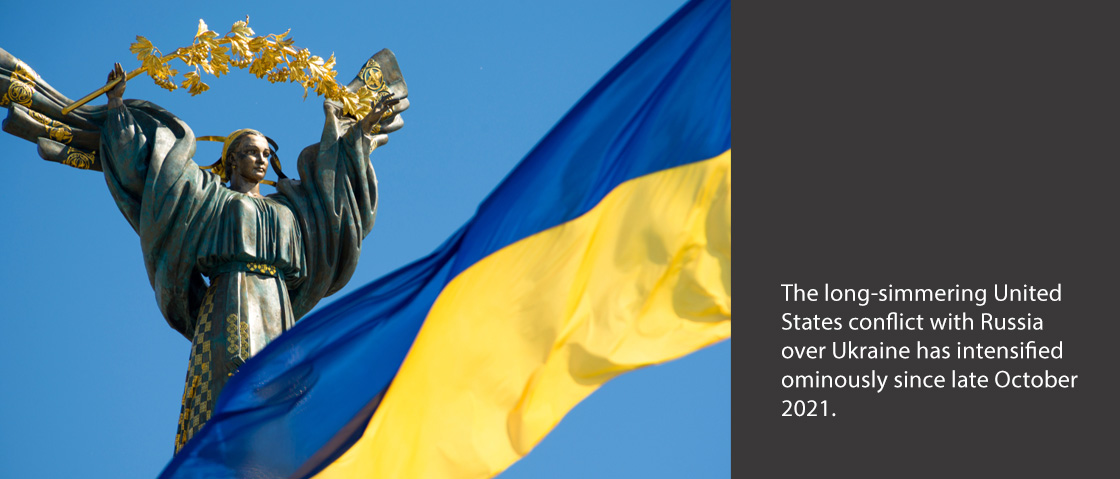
(268, 260)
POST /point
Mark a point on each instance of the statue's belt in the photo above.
(259, 268)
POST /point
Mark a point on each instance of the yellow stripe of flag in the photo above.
(519, 338)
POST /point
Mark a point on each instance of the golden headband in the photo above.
(220, 167)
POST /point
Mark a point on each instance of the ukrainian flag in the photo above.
(608, 248)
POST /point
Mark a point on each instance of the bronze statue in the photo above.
(269, 259)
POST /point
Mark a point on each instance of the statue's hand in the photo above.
(384, 109)
(117, 91)
(395, 121)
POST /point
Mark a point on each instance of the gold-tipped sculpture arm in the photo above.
(100, 91)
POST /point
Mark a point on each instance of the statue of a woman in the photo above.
(269, 259)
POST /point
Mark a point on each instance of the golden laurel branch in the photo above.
(272, 57)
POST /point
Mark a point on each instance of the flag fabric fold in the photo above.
(608, 248)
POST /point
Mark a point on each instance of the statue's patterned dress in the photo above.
(269, 260)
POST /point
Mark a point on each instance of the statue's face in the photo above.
(250, 161)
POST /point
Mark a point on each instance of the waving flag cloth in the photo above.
(608, 248)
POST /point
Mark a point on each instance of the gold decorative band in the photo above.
(259, 268)
(237, 335)
(374, 81)
(55, 130)
(21, 88)
(79, 159)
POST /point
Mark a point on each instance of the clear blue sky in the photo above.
(93, 376)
